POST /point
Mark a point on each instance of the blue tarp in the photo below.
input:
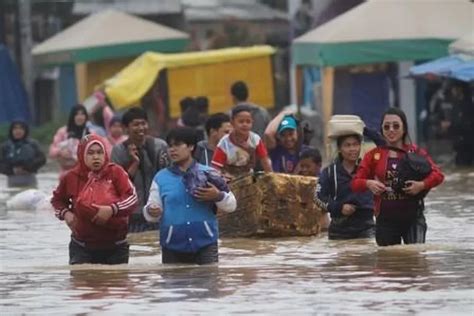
(459, 67)
(362, 94)
(13, 97)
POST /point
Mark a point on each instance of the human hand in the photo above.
(65, 153)
(19, 171)
(103, 215)
(154, 210)
(445, 125)
(211, 193)
(376, 187)
(70, 220)
(227, 176)
(133, 152)
(348, 209)
(413, 187)
(287, 112)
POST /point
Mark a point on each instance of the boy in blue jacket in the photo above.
(185, 197)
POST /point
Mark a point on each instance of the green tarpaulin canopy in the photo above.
(386, 30)
(106, 35)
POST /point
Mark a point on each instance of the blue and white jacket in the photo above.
(187, 225)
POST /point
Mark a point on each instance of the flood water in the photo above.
(264, 276)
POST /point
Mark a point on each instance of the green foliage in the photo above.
(4, 132)
(45, 133)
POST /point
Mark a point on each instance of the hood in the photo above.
(84, 145)
(22, 124)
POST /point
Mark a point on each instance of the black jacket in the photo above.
(25, 152)
(334, 190)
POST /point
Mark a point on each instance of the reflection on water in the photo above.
(282, 276)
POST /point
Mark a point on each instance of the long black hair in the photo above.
(398, 112)
(73, 130)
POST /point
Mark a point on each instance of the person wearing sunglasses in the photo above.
(399, 215)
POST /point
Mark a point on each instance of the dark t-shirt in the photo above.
(396, 205)
(283, 161)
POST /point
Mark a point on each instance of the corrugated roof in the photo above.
(140, 7)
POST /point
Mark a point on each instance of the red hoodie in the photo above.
(123, 199)
(374, 166)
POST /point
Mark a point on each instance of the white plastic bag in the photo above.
(28, 200)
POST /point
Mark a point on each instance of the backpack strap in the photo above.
(401, 150)
(151, 151)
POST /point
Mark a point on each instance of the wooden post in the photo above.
(328, 96)
(81, 81)
(24, 17)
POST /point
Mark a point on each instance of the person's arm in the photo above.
(374, 136)
(60, 199)
(436, 177)
(61, 135)
(120, 153)
(127, 192)
(224, 201)
(38, 161)
(5, 167)
(271, 130)
(133, 168)
(219, 159)
(266, 164)
(262, 154)
(324, 195)
(363, 180)
(123, 208)
(153, 209)
(60, 202)
(108, 114)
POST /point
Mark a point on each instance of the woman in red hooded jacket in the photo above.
(399, 214)
(95, 199)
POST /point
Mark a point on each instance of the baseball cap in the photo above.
(288, 122)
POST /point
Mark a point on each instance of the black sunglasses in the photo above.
(395, 126)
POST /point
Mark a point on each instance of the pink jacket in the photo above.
(60, 142)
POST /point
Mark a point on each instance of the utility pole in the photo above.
(24, 14)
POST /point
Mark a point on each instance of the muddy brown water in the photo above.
(284, 276)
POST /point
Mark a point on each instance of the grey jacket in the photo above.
(203, 154)
(153, 157)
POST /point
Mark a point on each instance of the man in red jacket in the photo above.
(95, 199)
